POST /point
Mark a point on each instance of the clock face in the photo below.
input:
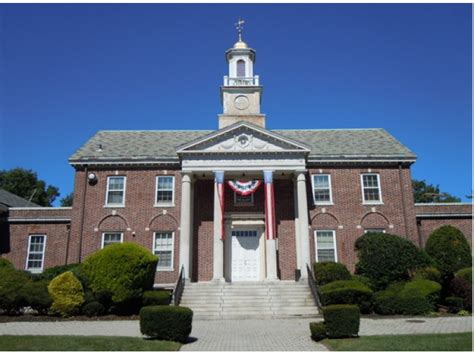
(241, 102)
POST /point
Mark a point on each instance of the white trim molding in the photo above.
(165, 203)
(154, 250)
(107, 204)
(322, 203)
(43, 252)
(379, 187)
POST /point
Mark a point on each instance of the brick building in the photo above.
(241, 203)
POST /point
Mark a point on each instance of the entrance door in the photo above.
(245, 255)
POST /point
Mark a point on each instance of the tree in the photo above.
(25, 183)
(67, 200)
(424, 192)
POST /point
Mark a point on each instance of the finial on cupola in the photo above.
(239, 26)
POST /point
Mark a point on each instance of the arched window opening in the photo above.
(241, 68)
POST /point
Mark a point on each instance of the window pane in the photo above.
(165, 183)
(115, 197)
(116, 183)
(370, 181)
(325, 240)
(371, 194)
(164, 258)
(326, 255)
(112, 238)
(322, 195)
(164, 196)
(240, 68)
(35, 252)
(321, 181)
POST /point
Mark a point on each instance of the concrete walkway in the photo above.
(253, 335)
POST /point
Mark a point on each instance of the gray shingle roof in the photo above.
(11, 200)
(337, 144)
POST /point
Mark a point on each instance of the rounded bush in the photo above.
(386, 258)
(455, 304)
(347, 292)
(156, 298)
(388, 301)
(341, 320)
(52, 272)
(326, 272)
(318, 331)
(67, 294)
(36, 296)
(6, 263)
(465, 273)
(166, 322)
(449, 250)
(364, 280)
(427, 273)
(462, 288)
(122, 270)
(11, 284)
(93, 309)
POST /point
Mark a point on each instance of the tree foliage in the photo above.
(425, 193)
(67, 200)
(25, 183)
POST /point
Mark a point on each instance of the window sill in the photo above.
(35, 271)
(324, 204)
(163, 205)
(372, 203)
(164, 269)
(114, 206)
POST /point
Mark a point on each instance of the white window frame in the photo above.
(320, 203)
(333, 240)
(109, 232)
(107, 204)
(165, 204)
(28, 253)
(236, 203)
(380, 201)
(170, 268)
(375, 230)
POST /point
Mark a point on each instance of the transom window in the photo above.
(109, 238)
(251, 234)
(163, 247)
(164, 190)
(325, 242)
(115, 191)
(371, 188)
(35, 258)
(374, 230)
(243, 200)
(322, 193)
(241, 68)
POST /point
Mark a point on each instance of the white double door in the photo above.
(245, 256)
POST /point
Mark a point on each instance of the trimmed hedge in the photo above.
(410, 298)
(166, 322)
(364, 280)
(341, 320)
(427, 273)
(36, 296)
(122, 270)
(156, 298)
(386, 258)
(455, 304)
(93, 309)
(318, 331)
(449, 250)
(347, 292)
(465, 273)
(67, 294)
(6, 263)
(11, 284)
(327, 272)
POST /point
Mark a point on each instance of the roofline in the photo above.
(38, 208)
(444, 204)
(123, 162)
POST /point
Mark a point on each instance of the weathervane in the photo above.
(239, 26)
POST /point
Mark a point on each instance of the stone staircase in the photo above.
(282, 299)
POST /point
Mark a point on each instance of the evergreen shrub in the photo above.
(156, 298)
(6, 263)
(341, 320)
(427, 273)
(347, 292)
(326, 272)
(318, 331)
(465, 273)
(12, 298)
(93, 309)
(454, 304)
(166, 322)
(462, 288)
(67, 294)
(36, 295)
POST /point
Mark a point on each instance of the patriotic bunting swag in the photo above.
(244, 188)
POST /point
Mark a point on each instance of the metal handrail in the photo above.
(179, 287)
(313, 286)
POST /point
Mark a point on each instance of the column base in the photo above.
(218, 280)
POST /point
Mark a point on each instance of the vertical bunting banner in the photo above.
(270, 223)
(220, 193)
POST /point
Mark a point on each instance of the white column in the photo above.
(297, 225)
(270, 225)
(186, 225)
(303, 221)
(218, 241)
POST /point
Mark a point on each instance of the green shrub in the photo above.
(386, 258)
(341, 320)
(462, 288)
(11, 284)
(36, 296)
(465, 273)
(6, 263)
(347, 292)
(93, 309)
(455, 304)
(166, 322)
(364, 280)
(67, 294)
(387, 301)
(122, 270)
(318, 331)
(156, 298)
(427, 273)
(425, 288)
(326, 272)
(449, 250)
(52, 272)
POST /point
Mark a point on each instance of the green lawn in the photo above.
(421, 342)
(83, 343)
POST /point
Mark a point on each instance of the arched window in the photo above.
(241, 68)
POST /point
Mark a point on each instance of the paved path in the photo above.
(256, 335)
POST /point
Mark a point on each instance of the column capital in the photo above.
(187, 176)
(268, 176)
(300, 175)
(219, 176)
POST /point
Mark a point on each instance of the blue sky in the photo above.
(67, 71)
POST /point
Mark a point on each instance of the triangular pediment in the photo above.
(242, 137)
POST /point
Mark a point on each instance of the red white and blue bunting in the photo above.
(244, 188)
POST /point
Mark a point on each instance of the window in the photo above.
(35, 258)
(325, 242)
(115, 191)
(374, 230)
(164, 190)
(111, 238)
(241, 68)
(243, 200)
(163, 248)
(371, 188)
(322, 193)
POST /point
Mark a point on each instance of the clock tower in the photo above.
(241, 93)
